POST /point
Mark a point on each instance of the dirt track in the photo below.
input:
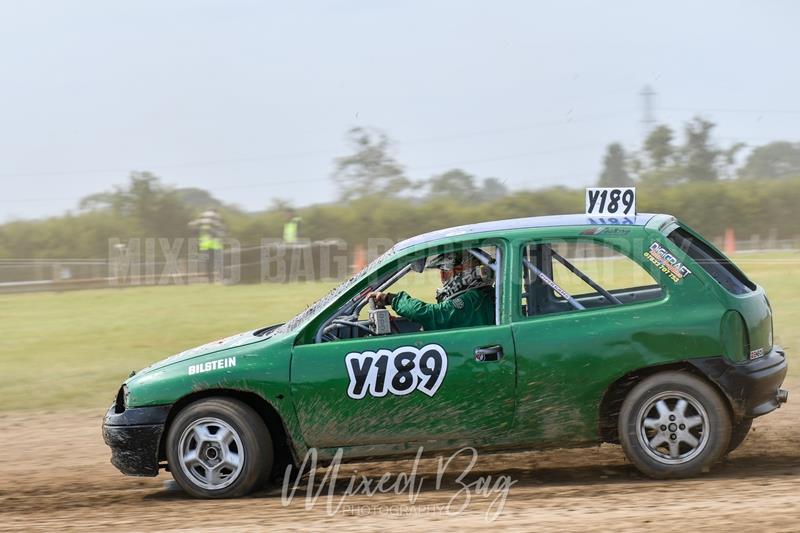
(57, 476)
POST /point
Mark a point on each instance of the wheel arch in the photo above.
(281, 439)
(611, 403)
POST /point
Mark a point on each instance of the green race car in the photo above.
(628, 330)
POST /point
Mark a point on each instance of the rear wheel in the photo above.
(219, 448)
(674, 424)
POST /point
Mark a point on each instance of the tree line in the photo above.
(695, 180)
(663, 161)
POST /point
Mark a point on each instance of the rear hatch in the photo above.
(746, 328)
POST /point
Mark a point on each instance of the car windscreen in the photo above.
(320, 304)
(717, 265)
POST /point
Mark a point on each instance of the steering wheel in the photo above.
(352, 321)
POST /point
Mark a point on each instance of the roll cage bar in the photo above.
(534, 270)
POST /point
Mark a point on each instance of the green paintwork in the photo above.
(544, 391)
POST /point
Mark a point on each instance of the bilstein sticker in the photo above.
(668, 263)
(399, 372)
(208, 366)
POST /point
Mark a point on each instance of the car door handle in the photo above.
(489, 353)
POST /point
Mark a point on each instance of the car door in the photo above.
(455, 384)
(570, 352)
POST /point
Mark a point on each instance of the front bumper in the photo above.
(134, 436)
(753, 387)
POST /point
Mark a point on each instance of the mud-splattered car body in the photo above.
(534, 379)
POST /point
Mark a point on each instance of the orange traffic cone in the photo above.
(730, 241)
(359, 259)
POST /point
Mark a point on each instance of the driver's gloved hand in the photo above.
(382, 298)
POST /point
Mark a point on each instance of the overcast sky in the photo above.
(251, 99)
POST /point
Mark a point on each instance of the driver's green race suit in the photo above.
(474, 307)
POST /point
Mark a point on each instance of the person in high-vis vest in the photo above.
(465, 299)
(209, 242)
(290, 230)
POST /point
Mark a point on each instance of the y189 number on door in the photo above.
(398, 372)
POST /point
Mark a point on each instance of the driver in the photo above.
(465, 299)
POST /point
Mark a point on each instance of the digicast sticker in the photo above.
(668, 263)
(399, 372)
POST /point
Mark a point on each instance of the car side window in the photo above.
(581, 274)
(448, 288)
(425, 287)
(717, 265)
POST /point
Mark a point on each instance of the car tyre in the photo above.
(674, 424)
(219, 448)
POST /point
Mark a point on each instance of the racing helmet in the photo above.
(461, 271)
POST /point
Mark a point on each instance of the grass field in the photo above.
(73, 349)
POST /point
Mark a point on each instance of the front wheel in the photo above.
(674, 424)
(219, 448)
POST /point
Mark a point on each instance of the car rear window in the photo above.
(717, 265)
